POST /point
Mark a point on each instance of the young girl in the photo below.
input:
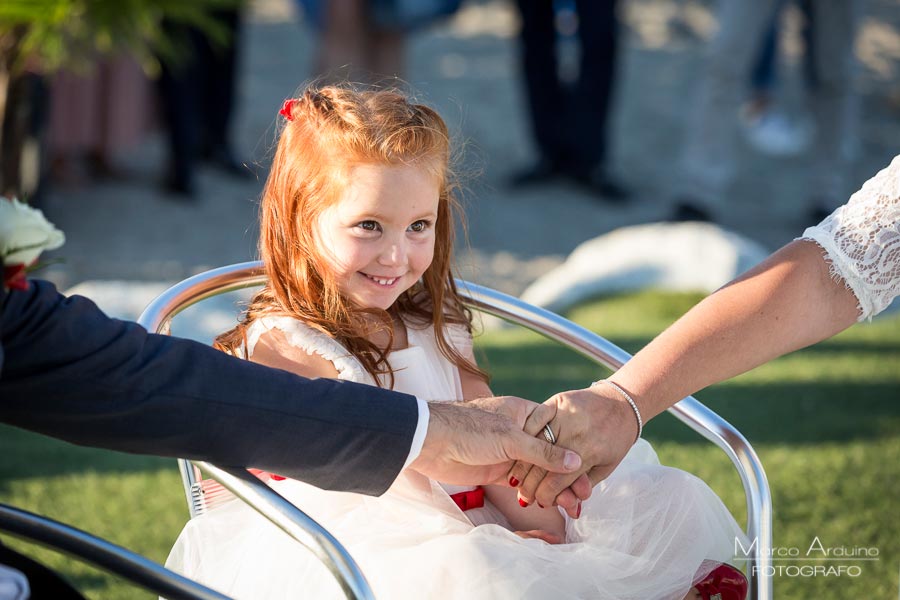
(357, 222)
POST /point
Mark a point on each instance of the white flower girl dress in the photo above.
(647, 532)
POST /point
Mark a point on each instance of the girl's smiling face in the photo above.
(379, 236)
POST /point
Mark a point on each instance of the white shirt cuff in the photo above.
(421, 431)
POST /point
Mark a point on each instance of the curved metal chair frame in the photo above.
(157, 317)
(101, 553)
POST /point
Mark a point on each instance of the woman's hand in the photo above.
(595, 422)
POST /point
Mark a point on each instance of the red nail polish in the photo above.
(578, 512)
(522, 503)
(541, 505)
(513, 482)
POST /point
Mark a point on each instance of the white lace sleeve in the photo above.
(861, 240)
(301, 335)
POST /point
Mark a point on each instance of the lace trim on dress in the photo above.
(861, 241)
(300, 335)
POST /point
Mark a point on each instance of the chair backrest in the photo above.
(201, 496)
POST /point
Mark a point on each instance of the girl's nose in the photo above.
(394, 254)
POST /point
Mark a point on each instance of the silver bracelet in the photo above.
(634, 407)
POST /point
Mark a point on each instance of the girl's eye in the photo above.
(368, 225)
(419, 226)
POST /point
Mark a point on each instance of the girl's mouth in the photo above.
(381, 281)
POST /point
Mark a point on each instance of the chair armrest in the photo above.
(296, 524)
(106, 555)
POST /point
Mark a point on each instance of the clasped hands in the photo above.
(499, 440)
(596, 423)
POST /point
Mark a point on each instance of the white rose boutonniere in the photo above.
(24, 234)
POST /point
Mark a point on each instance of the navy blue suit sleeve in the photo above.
(73, 373)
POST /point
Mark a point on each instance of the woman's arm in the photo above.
(785, 303)
(793, 299)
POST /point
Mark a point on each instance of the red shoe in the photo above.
(723, 583)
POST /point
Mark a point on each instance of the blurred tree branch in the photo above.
(38, 37)
(49, 34)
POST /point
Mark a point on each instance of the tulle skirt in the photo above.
(648, 531)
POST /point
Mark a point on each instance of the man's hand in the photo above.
(598, 424)
(517, 409)
(470, 446)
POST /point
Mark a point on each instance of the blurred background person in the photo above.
(23, 107)
(569, 118)
(95, 116)
(709, 163)
(365, 40)
(351, 44)
(769, 127)
(198, 98)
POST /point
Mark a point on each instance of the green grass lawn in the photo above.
(825, 421)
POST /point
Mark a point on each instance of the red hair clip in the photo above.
(286, 109)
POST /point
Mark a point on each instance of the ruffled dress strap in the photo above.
(861, 240)
(312, 341)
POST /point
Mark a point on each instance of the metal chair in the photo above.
(157, 318)
(101, 553)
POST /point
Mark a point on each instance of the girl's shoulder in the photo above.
(288, 343)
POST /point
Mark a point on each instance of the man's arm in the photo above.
(72, 373)
(785, 303)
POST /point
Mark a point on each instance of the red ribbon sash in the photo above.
(469, 500)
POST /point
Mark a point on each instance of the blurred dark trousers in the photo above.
(197, 92)
(762, 78)
(569, 122)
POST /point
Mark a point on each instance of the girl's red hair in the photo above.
(327, 131)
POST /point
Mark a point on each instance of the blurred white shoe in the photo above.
(777, 134)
